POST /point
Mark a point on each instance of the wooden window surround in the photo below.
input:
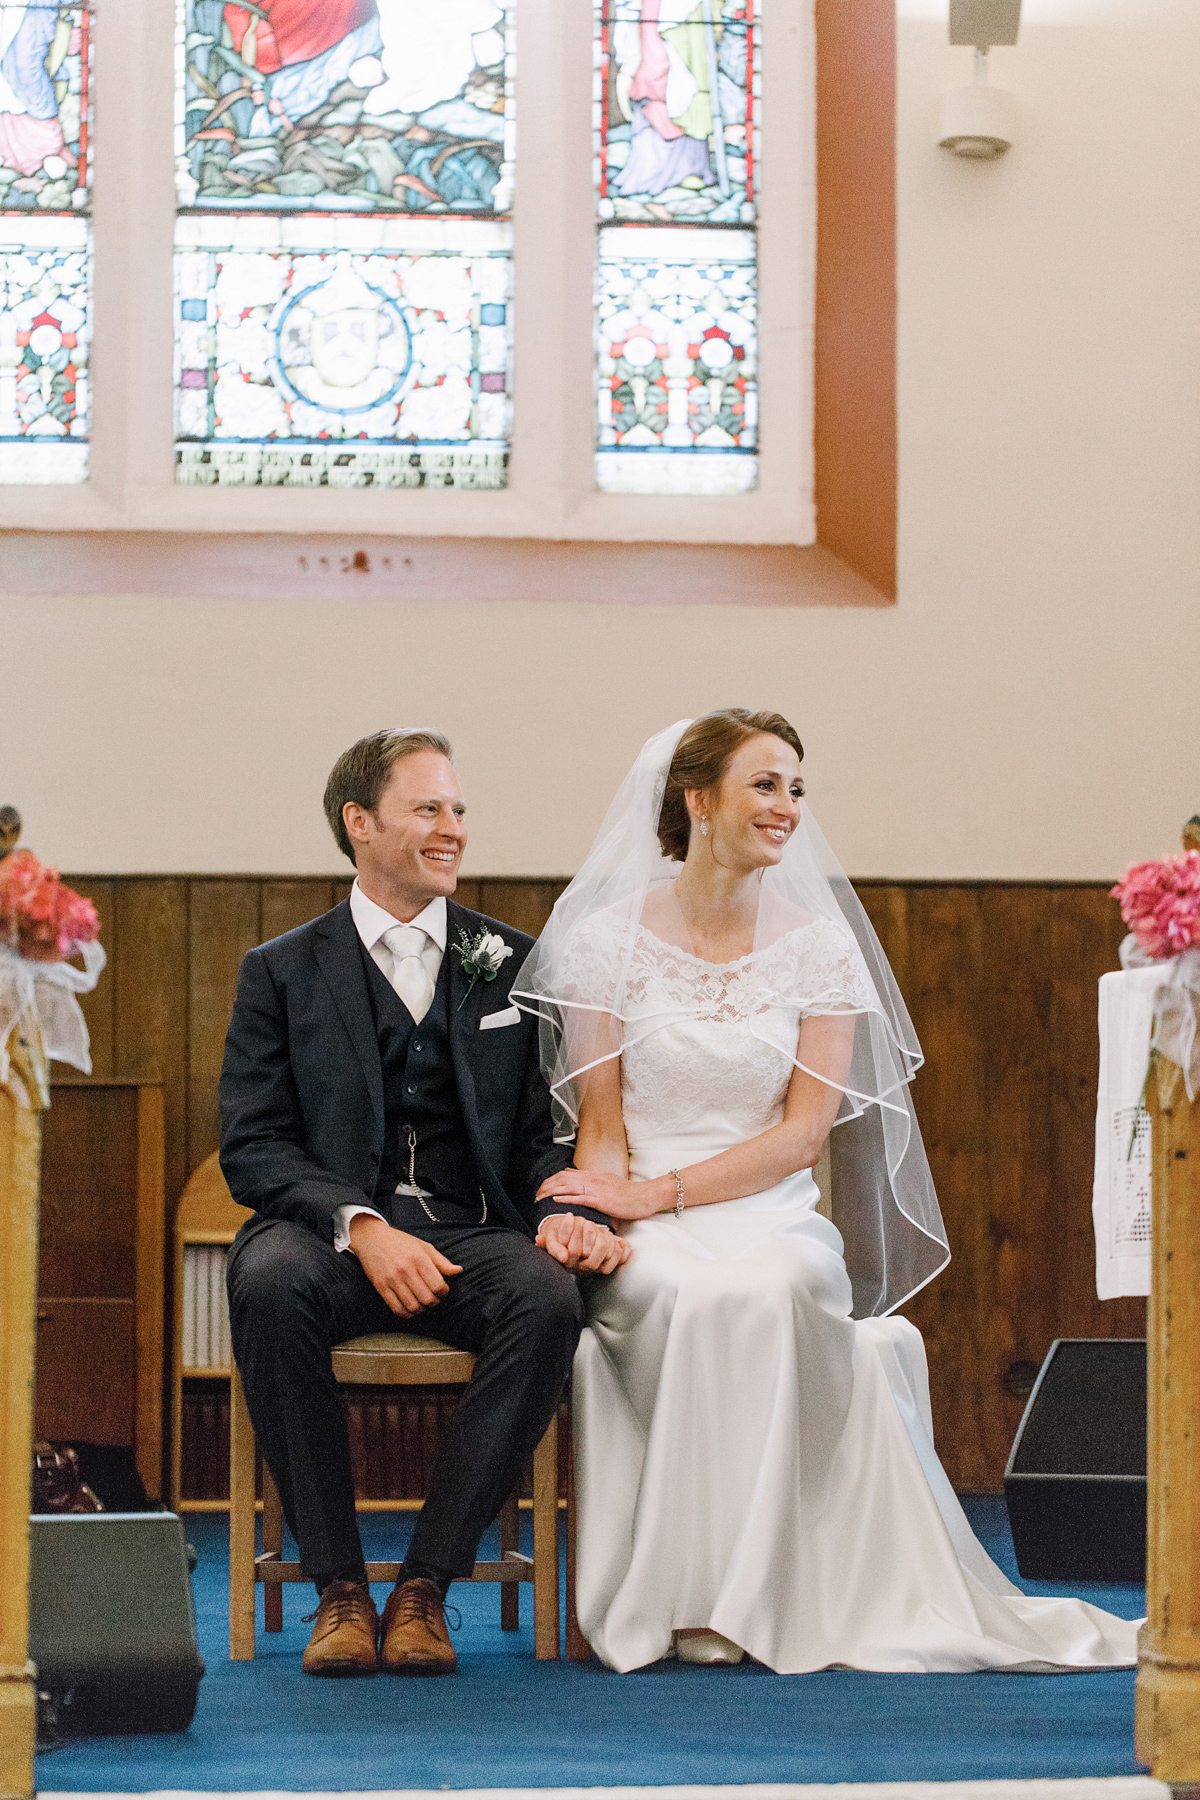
(852, 563)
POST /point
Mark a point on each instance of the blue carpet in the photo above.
(508, 1721)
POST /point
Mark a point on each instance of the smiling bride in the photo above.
(754, 1445)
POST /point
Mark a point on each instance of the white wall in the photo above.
(1028, 709)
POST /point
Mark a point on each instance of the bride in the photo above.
(754, 1446)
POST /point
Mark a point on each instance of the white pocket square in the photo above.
(491, 1021)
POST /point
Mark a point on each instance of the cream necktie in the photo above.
(410, 977)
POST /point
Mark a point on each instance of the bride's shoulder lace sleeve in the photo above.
(826, 969)
(589, 969)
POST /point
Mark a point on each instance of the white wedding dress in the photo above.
(750, 1459)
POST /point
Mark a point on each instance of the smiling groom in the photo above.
(384, 1114)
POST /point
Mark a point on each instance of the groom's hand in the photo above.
(580, 1244)
(407, 1273)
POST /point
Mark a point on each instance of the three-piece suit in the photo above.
(331, 1094)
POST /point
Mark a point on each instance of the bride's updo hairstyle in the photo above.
(701, 759)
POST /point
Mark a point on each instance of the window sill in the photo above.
(258, 565)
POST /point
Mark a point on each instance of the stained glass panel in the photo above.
(45, 242)
(344, 175)
(676, 116)
(382, 363)
(668, 71)
(677, 365)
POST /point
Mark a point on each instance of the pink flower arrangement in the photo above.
(1160, 903)
(39, 917)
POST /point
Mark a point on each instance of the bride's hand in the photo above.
(610, 1194)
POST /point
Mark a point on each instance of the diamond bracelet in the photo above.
(678, 1192)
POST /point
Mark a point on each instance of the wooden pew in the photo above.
(22, 1099)
(1168, 1680)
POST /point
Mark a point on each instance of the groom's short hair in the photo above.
(361, 773)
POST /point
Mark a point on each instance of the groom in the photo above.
(384, 1113)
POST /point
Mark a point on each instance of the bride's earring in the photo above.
(704, 828)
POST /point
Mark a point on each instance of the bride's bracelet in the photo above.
(678, 1192)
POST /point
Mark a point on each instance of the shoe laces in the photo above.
(420, 1601)
(340, 1604)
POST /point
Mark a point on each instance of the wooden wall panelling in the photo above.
(150, 1001)
(150, 1008)
(526, 905)
(149, 1316)
(88, 1224)
(106, 1326)
(1001, 983)
(886, 906)
(87, 1231)
(223, 923)
(1010, 1242)
(98, 1005)
(286, 904)
(943, 934)
(100, 1269)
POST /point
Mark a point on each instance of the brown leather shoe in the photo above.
(344, 1636)
(413, 1635)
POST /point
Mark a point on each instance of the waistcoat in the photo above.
(419, 1094)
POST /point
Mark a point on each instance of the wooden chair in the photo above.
(393, 1359)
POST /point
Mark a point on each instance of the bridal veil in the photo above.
(882, 1198)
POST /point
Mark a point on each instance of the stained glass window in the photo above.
(344, 172)
(45, 241)
(676, 119)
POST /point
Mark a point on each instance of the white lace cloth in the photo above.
(748, 1457)
(1121, 1184)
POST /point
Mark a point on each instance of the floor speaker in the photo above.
(1075, 1484)
(112, 1630)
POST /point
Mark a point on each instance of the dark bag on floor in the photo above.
(58, 1486)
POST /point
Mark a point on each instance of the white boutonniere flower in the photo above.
(482, 956)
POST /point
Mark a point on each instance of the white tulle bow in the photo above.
(43, 994)
(1176, 1007)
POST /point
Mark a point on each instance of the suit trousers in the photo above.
(292, 1297)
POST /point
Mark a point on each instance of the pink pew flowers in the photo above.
(41, 918)
(1160, 903)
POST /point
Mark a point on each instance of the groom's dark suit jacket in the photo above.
(302, 1096)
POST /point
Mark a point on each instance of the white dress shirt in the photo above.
(370, 922)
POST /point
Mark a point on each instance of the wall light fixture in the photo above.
(978, 121)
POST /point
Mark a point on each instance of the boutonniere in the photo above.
(482, 956)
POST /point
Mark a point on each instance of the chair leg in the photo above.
(510, 1539)
(578, 1648)
(272, 1543)
(545, 1545)
(241, 1525)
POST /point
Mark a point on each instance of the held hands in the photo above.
(581, 1244)
(407, 1273)
(610, 1194)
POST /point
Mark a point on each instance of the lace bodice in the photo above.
(708, 1048)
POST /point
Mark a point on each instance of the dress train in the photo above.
(751, 1460)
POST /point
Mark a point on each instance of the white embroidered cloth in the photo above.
(1121, 1189)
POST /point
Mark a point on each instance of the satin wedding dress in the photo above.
(749, 1458)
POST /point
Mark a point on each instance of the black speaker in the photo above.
(112, 1629)
(1075, 1485)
